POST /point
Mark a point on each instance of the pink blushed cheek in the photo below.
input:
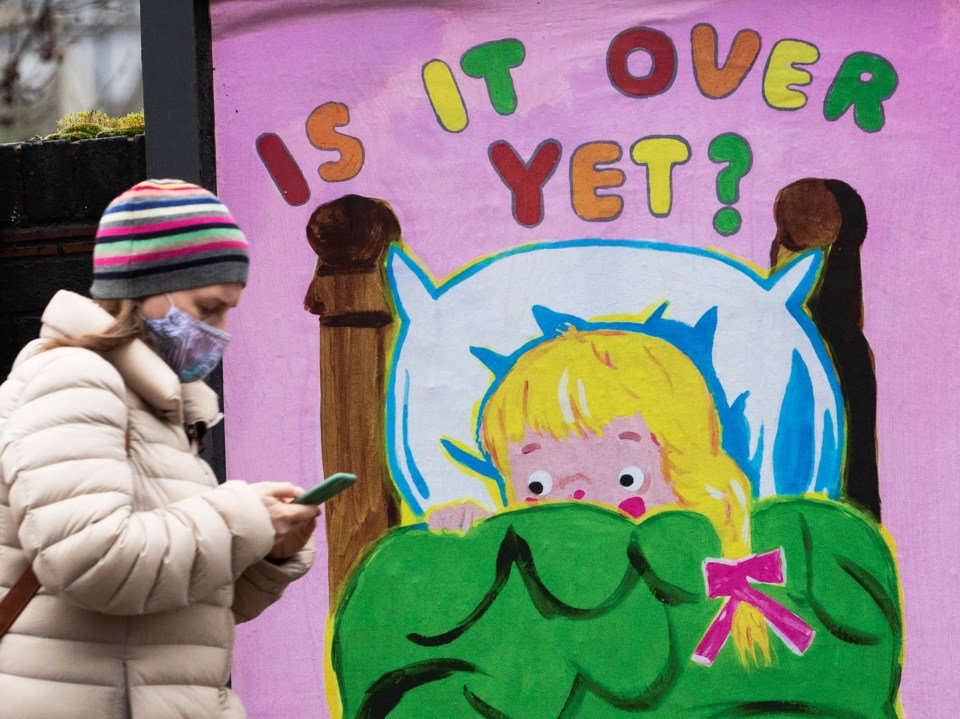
(532, 500)
(634, 506)
(579, 494)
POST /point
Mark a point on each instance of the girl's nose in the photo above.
(578, 478)
(578, 482)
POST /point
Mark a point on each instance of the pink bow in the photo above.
(732, 579)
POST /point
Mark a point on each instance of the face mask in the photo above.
(192, 348)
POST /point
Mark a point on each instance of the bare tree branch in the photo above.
(38, 35)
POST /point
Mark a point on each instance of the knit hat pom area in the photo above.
(166, 235)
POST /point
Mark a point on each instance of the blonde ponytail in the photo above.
(727, 505)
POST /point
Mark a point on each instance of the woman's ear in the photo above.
(153, 307)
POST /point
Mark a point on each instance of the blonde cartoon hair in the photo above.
(577, 383)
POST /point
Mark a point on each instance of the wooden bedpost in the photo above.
(351, 236)
(830, 215)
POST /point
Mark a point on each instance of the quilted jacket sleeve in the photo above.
(263, 583)
(70, 487)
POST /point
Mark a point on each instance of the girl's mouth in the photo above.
(633, 506)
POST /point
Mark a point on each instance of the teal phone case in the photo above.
(334, 484)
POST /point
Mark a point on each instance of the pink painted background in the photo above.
(275, 62)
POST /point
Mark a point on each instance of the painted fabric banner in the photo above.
(635, 323)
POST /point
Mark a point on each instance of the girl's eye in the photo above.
(631, 477)
(540, 482)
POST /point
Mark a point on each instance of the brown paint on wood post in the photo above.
(830, 215)
(351, 237)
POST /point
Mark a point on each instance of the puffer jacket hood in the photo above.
(144, 562)
(143, 372)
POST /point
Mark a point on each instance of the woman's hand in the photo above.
(294, 541)
(292, 523)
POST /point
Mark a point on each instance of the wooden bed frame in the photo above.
(349, 294)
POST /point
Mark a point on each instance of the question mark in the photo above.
(732, 149)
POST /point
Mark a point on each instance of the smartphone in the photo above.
(334, 484)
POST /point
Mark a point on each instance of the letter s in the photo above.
(323, 136)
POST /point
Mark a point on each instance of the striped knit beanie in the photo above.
(166, 235)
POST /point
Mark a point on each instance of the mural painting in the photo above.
(596, 300)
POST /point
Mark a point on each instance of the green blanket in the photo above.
(570, 610)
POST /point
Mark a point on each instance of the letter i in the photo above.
(283, 169)
(444, 95)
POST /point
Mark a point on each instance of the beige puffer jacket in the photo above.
(145, 564)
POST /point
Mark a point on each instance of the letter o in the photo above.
(662, 52)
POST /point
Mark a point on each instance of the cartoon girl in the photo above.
(622, 419)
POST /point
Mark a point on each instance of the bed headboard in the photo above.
(829, 214)
(351, 236)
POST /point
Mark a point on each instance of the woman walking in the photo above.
(143, 563)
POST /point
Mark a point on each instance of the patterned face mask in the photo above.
(192, 348)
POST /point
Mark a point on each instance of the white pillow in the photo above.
(786, 431)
